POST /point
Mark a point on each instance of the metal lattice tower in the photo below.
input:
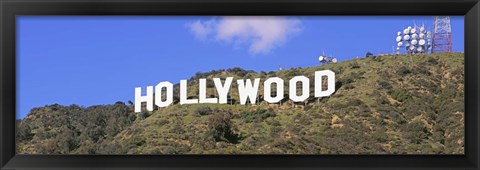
(442, 35)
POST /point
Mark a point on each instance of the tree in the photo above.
(24, 132)
(220, 126)
(369, 54)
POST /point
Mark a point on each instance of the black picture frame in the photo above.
(9, 9)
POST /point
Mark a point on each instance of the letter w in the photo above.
(247, 90)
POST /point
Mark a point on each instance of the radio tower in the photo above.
(442, 35)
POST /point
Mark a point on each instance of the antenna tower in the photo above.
(442, 35)
(415, 39)
(324, 59)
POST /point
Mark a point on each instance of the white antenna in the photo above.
(414, 36)
(421, 42)
(414, 42)
(324, 59)
(415, 39)
(399, 38)
(422, 36)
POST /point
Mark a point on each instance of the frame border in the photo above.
(9, 9)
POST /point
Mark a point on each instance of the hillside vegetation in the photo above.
(382, 105)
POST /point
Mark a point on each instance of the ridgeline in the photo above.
(382, 105)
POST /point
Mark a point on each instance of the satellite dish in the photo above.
(413, 30)
(399, 38)
(399, 33)
(420, 48)
(412, 47)
(422, 36)
(406, 37)
(398, 48)
(421, 42)
(321, 58)
(409, 28)
(414, 36)
(422, 30)
(334, 60)
(407, 44)
(406, 31)
(399, 44)
(414, 42)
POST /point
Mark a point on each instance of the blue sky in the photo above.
(90, 60)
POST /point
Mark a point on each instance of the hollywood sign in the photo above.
(246, 90)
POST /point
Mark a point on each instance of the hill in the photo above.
(382, 105)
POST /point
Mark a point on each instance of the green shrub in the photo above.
(432, 60)
(220, 127)
(177, 129)
(403, 71)
(400, 95)
(380, 136)
(421, 68)
(203, 110)
(377, 59)
(275, 131)
(143, 115)
(384, 84)
(273, 122)
(257, 115)
(162, 122)
(132, 117)
(416, 132)
(355, 102)
(24, 132)
(345, 80)
(349, 86)
(354, 65)
(302, 119)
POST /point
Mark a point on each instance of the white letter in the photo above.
(222, 90)
(139, 99)
(203, 93)
(183, 94)
(318, 83)
(305, 88)
(245, 90)
(267, 90)
(158, 94)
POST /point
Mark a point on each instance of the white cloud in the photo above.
(262, 34)
(201, 29)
